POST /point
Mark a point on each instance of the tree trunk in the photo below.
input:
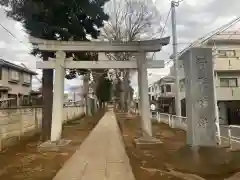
(126, 91)
(47, 94)
(122, 97)
(101, 104)
(86, 91)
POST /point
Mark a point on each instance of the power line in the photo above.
(11, 34)
(166, 22)
(169, 61)
(234, 32)
(176, 3)
(208, 36)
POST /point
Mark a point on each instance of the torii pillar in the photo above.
(139, 47)
(86, 95)
(146, 124)
(144, 105)
(58, 96)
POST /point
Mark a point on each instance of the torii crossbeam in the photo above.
(60, 63)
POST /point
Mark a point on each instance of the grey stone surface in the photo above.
(101, 156)
(147, 142)
(200, 104)
(53, 146)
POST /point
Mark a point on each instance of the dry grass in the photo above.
(25, 162)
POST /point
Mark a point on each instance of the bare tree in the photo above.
(130, 20)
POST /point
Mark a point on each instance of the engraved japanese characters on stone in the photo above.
(203, 82)
(203, 85)
(201, 64)
(202, 103)
(202, 123)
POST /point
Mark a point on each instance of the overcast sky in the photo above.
(194, 19)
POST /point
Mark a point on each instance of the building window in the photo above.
(228, 82)
(168, 88)
(153, 98)
(14, 75)
(27, 78)
(162, 89)
(226, 53)
(181, 87)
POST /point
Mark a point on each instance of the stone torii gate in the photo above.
(60, 63)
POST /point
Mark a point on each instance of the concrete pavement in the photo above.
(101, 156)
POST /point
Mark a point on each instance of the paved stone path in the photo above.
(101, 156)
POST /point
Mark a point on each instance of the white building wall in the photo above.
(225, 67)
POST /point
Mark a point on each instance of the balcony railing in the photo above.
(223, 94)
(226, 64)
(227, 135)
(228, 93)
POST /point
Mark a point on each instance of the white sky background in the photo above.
(194, 19)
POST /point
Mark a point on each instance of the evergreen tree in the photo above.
(58, 20)
(103, 90)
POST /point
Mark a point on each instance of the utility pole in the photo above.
(175, 56)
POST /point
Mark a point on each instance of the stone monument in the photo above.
(200, 104)
(201, 155)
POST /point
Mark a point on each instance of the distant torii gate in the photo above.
(60, 63)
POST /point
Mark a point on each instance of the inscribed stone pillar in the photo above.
(200, 102)
(144, 99)
(58, 97)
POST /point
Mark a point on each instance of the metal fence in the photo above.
(228, 135)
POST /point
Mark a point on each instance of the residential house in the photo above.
(15, 83)
(226, 58)
(162, 94)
